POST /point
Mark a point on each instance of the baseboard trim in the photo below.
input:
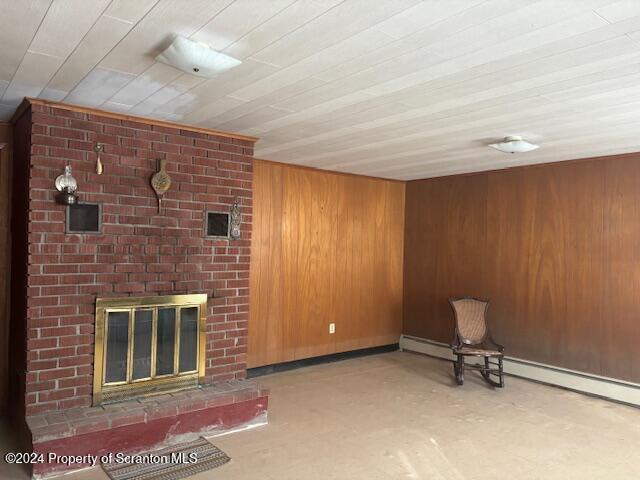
(595, 385)
(306, 362)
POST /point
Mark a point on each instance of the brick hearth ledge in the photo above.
(136, 425)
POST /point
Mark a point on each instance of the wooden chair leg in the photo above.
(486, 373)
(460, 370)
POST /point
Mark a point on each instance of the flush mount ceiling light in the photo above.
(514, 144)
(196, 58)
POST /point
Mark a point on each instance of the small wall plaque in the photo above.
(217, 224)
(84, 218)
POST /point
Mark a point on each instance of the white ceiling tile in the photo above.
(359, 44)
(64, 26)
(211, 112)
(396, 88)
(98, 86)
(337, 24)
(53, 94)
(237, 20)
(257, 117)
(244, 107)
(422, 16)
(172, 117)
(157, 99)
(129, 11)
(503, 28)
(167, 94)
(287, 20)
(145, 85)
(19, 21)
(179, 105)
(327, 3)
(315, 96)
(462, 20)
(188, 81)
(209, 90)
(116, 107)
(32, 75)
(103, 36)
(618, 11)
(327, 107)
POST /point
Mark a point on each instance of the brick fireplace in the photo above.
(138, 252)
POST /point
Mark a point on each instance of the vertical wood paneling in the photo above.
(5, 170)
(445, 232)
(555, 248)
(423, 225)
(268, 298)
(327, 248)
(620, 297)
(544, 260)
(463, 228)
(309, 272)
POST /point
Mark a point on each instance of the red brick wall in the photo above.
(139, 252)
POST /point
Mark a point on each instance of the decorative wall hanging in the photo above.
(99, 148)
(161, 182)
(67, 186)
(234, 230)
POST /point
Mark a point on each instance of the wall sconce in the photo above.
(234, 230)
(67, 186)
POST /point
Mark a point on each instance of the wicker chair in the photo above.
(472, 338)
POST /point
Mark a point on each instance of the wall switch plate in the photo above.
(332, 328)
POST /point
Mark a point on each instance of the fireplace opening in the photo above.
(147, 345)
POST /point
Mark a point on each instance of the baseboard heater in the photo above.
(603, 387)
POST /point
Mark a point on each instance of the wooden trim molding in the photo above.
(123, 116)
(581, 382)
(332, 172)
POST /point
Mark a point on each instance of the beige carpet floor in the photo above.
(399, 415)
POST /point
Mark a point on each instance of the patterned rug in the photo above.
(171, 463)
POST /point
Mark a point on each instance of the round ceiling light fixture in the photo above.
(514, 144)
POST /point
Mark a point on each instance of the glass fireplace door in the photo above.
(151, 345)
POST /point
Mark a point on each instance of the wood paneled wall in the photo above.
(556, 248)
(327, 248)
(6, 136)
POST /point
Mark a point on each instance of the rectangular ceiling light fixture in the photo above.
(196, 58)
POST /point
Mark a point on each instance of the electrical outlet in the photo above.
(332, 328)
